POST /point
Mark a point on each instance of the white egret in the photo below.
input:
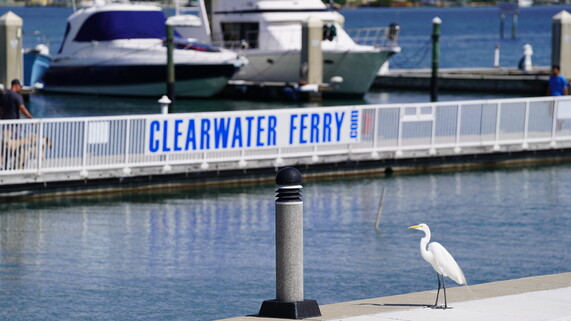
(441, 260)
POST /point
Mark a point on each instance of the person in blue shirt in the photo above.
(557, 83)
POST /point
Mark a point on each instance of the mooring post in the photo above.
(502, 20)
(497, 57)
(514, 25)
(560, 44)
(289, 302)
(10, 48)
(170, 66)
(164, 102)
(526, 64)
(436, 22)
(311, 64)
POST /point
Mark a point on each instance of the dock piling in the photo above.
(497, 57)
(514, 25)
(289, 302)
(502, 22)
(560, 43)
(311, 68)
(436, 22)
(170, 66)
(10, 48)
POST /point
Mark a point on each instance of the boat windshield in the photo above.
(113, 25)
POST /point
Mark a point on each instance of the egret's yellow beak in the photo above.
(414, 226)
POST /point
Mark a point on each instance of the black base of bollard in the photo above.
(290, 310)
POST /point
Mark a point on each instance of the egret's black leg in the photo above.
(444, 287)
(437, 292)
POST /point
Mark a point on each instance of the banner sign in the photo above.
(179, 133)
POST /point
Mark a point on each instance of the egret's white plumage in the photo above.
(440, 259)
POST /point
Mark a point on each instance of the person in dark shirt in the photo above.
(12, 102)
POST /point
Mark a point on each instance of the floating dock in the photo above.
(537, 298)
(497, 80)
(490, 80)
(72, 156)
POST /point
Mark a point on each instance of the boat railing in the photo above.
(379, 37)
(264, 40)
(289, 38)
(40, 150)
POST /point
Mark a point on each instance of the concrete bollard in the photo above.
(289, 302)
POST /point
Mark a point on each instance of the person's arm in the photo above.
(25, 111)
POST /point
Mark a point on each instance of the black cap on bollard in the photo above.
(288, 181)
(288, 176)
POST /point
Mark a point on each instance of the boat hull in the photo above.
(358, 68)
(138, 80)
(35, 66)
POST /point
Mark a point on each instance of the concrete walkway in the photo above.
(545, 298)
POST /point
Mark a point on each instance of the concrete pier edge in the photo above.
(371, 309)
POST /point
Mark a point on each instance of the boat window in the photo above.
(240, 34)
(67, 27)
(112, 25)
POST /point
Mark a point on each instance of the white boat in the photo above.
(119, 49)
(525, 3)
(269, 34)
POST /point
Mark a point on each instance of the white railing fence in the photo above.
(80, 145)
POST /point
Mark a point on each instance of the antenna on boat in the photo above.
(204, 16)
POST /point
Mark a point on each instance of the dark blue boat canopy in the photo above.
(113, 25)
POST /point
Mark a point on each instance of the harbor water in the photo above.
(469, 37)
(205, 254)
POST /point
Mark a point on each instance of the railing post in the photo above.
(279, 160)
(457, 148)
(204, 165)
(432, 150)
(39, 146)
(289, 302)
(399, 137)
(315, 157)
(498, 121)
(126, 169)
(242, 163)
(375, 153)
(554, 123)
(85, 140)
(525, 145)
